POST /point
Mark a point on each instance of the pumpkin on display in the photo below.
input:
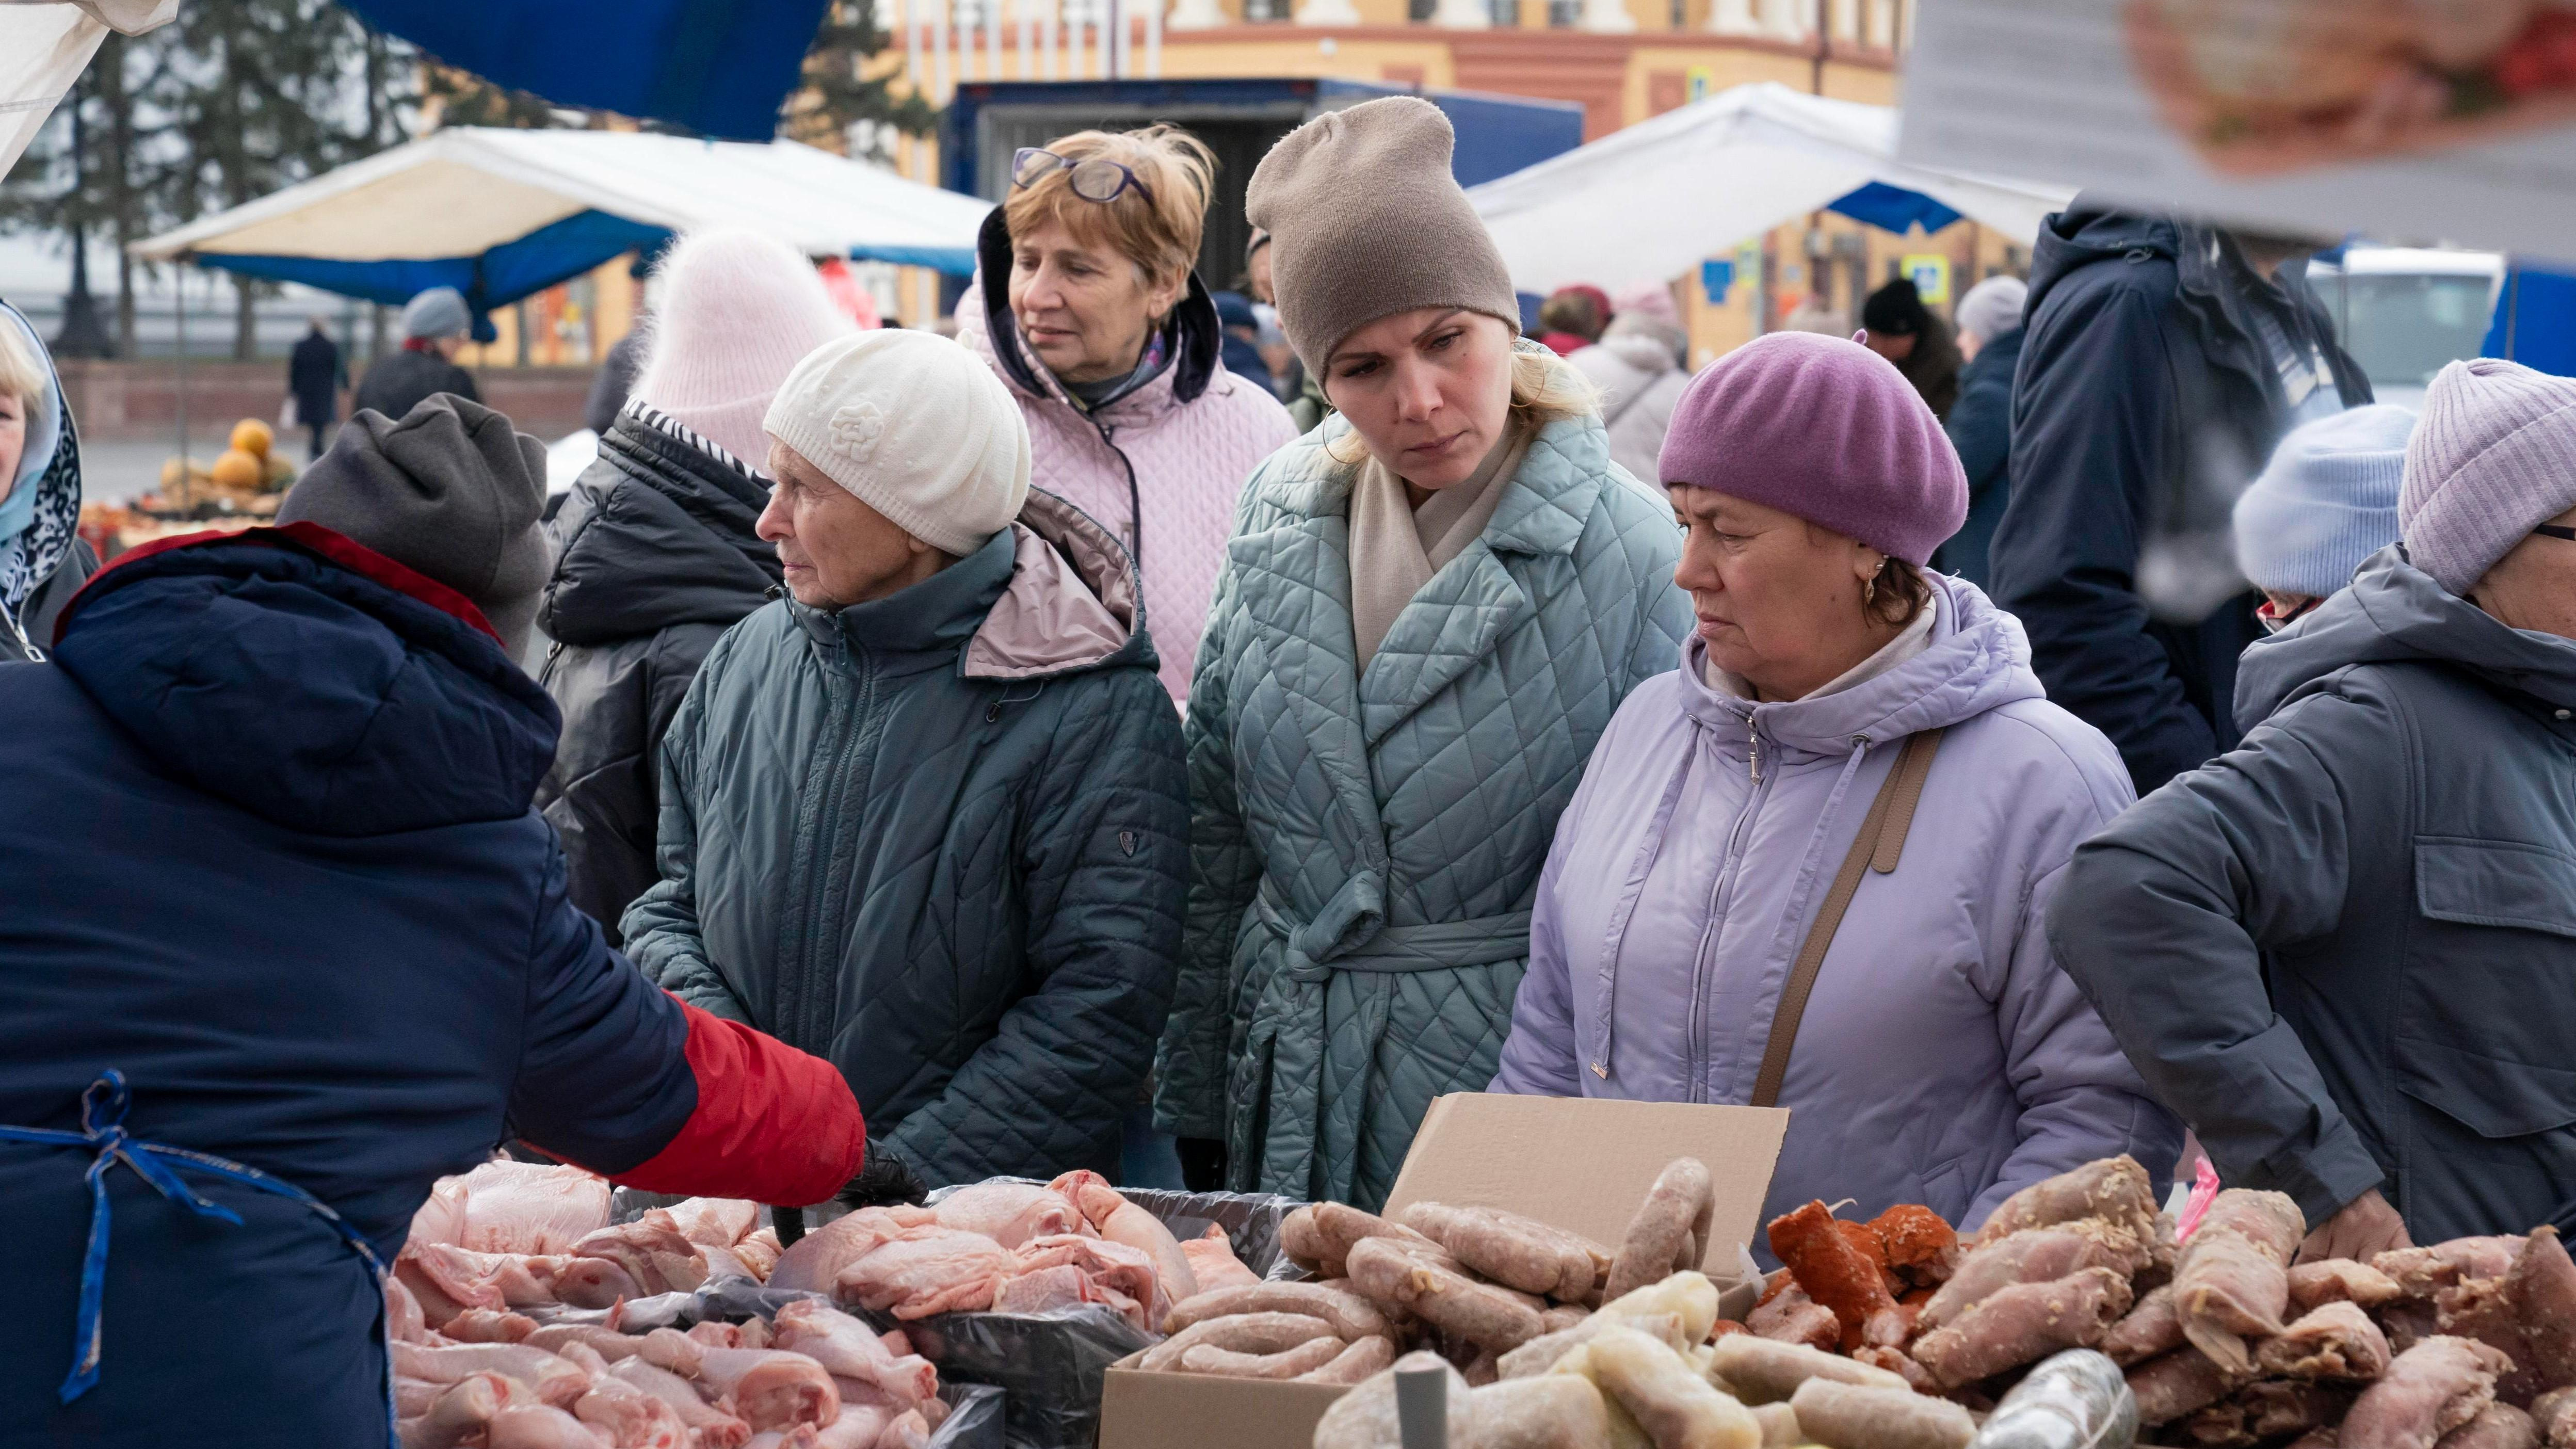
(240, 470)
(252, 436)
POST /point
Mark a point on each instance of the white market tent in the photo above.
(500, 214)
(1645, 204)
(43, 46)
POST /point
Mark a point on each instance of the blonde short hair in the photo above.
(1545, 389)
(22, 373)
(1161, 235)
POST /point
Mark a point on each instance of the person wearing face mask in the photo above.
(43, 559)
(1085, 303)
(1430, 609)
(1810, 868)
(2326, 502)
(924, 816)
(2345, 949)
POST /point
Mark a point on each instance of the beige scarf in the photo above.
(1396, 548)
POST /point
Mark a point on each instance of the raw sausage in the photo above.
(1477, 1313)
(1350, 1315)
(2114, 1189)
(1321, 1235)
(1848, 1416)
(1243, 1333)
(1355, 1362)
(1365, 1418)
(1764, 1371)
(1514, 1251)
(1555, 1412)
(1675, 1406)
(1541, 1353)
(1669, 1232)
(1305, 1358)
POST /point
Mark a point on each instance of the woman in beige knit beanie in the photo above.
(1431, 607)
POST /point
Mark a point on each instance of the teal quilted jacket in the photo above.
(1364, 846)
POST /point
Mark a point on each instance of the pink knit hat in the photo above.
(2494, 455)
(739, 309)
(1825, 429)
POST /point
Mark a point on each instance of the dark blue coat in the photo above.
(266, 835)
(2143, 405)
(1980, 427)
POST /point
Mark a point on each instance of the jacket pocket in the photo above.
(2486, 1026)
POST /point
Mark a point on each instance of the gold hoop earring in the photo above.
(1869, 594)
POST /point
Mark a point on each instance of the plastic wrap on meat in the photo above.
(2428, 1391)
(2024, 1324)
(2113, 1189)
(2333, 1341)
(2073, 1400)
(1122, 1276)
(2232, 1280)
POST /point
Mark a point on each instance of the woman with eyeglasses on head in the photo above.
(1086, 304)
(1431, 608)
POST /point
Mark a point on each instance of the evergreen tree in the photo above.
(838, 93)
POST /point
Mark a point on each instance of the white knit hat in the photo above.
(2491, 460)
(738, 308)
(916, 427)
(2326, 501)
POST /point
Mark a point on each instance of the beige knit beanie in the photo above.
(914, 426)
(2494, 455)
(1366, 221)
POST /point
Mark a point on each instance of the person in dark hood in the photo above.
(2163, 360)
(2344, 951)
(1980, 421)
(434, 325)
(926, 815)
(314, 376)
(1904, 331)
(1242, 348)
(658, 544)
(43, 558)
(296, 947)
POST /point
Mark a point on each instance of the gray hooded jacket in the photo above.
(2345, 951)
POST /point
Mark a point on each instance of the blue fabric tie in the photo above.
(103, 1108)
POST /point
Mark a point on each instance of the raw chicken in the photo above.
(711, 1222)
(1121, 1221)
(1125, 1273)
(595, 1283)
(482, 1280)
(525, 1207)
(759, 1252)
(442, 1218)
(459, 1410)
(1213, 1263)
(815, 1263)
(1043, 1290)
(556, 1380)
(607, 1343)
(847, 1348)
(920, 1271)
(538, 1426)
(769, 1388)
(1010, 1213)
(482, 1325)
(403, 1321)
(715, 1429)
(630, 1417)
(653, 1254)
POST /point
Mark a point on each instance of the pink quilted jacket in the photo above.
(1191, 459)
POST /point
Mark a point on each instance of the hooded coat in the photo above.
(655, 558)
(1169, 458)
(45, 561)
(1364, 843)
(1641, 383)
(1980, 428)
(2144, 404)
(2346, 949)
(1943, 1058)
(310, 916)
(939, 838)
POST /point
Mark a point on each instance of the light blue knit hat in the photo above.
(2326, 501)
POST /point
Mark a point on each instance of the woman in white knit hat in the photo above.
(2345, 951)
(656, 551)
(924, 816)
(2326, 502)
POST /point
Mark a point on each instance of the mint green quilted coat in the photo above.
(1364, 846)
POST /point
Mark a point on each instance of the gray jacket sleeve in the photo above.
(2163, 919)
(661, 927)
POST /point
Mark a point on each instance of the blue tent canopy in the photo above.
(717, 67)
(1892, 208)
(501, 214)
(2535, 320)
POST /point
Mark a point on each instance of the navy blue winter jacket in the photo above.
(266, 841)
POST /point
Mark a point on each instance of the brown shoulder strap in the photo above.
(1880, 842)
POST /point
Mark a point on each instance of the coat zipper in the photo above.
(1718, 892)
(829, 888)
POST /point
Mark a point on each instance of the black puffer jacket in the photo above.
(655, 559)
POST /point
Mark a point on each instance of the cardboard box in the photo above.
(1584, 1163)
(1581, 1163)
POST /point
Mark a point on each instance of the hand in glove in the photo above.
(884, 1180)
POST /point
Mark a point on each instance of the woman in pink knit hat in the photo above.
(1810, 868)
(656, 553)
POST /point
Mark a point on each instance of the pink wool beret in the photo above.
(1825, 429)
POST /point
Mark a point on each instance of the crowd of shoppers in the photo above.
(954, 731)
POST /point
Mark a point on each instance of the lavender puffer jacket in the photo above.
(1944, 1058)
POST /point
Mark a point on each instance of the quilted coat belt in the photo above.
(1440, 945)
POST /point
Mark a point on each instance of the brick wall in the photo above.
(130, 400)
